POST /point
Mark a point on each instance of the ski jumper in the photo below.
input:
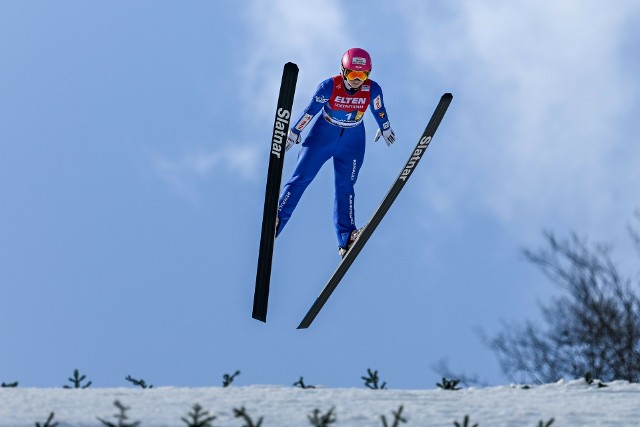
(339, 133)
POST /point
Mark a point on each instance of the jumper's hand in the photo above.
(292, 138)
(388, 135)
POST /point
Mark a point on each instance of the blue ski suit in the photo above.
(338, 133)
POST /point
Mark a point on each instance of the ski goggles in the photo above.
(356, 75)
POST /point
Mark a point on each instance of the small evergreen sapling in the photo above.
(521, 386)
(449, 384)
(372, 380)
(322, 420)
(49, 422)
(140, 383)
(465, 423)
(300, 383)
(199, 418)
(242, 413)
(227, 379)
(397, 418)
(443, 370)
(10, 385)
(77, 380)
(121, 417)
(588, 378)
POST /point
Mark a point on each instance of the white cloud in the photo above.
(186, 173)
(541, 92)
(310, 34)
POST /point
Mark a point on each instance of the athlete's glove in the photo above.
(388, 135)
(292, 138)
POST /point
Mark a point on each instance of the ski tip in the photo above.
(259, 317)
(447, 95)
(291, 66)
(305, 323)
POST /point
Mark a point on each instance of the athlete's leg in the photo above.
(317, 148)
(347, 162)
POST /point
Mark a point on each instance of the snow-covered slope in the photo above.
(569, 403)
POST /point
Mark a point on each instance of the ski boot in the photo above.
(352, 239)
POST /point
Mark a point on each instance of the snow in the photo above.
(572, 403)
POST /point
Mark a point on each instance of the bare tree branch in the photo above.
(593, 326)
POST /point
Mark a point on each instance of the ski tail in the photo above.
(272, 192)
(388, 200)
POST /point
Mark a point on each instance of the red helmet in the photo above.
(356, 59)
(356, 65)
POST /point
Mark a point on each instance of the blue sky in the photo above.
(133, 152)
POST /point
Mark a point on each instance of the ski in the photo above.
(272, 193)
(388, 200)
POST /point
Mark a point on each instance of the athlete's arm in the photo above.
(320, 97)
